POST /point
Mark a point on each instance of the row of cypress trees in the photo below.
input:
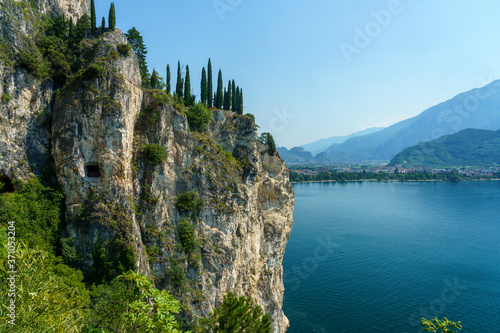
(111, 18)
(227, 98)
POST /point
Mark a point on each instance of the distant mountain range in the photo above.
(322, 145)
(469, 147)
(477, 108)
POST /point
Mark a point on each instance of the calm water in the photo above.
(376, 257)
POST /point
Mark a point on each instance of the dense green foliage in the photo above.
(124, 49)
(186, 234)
(436, 325)
(112, 17)
(267, 139)
(155, 153)
(156, 82)
(36, 211)
(49, 296)
(137, 42)
(236, 315)
(469, 147)
(210, 84)
(189, 203)
(130, 303)
(198, 117)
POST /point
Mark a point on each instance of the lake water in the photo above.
(376, 256)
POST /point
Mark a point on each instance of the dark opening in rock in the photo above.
(7, 184)
(92, 171)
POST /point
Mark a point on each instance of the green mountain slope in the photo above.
(469, 147)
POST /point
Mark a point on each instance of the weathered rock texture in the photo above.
(104, 120)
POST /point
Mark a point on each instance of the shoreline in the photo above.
(390, 180)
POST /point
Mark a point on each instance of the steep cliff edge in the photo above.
(95, 131)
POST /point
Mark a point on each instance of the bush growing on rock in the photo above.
(189, 203)
(198, 117)
(187, 236)
(155, 153)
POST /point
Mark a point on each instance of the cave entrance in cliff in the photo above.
(92, 171)
(7, 187)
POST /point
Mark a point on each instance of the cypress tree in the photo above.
(210, 83)
(236, 100)
(112, 17)
(168, 79)
(178, 86)
(229, 96)
(93, 23)
(203, 86)
(219, 98)
(103, 25)
(224, 102)
(233, 96)
(240, 105)
(188, 99)
(154, 80)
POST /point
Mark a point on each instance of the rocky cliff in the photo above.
(92, 134)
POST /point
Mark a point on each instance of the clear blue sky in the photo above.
(306, 71)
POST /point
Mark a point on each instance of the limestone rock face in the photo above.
(247, 216)
(94, 133)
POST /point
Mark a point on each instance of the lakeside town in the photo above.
(380, 171)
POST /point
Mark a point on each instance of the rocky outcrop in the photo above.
(94, 132)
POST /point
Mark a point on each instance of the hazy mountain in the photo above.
(477, 108)
(295, 155)
(323, 144)
(470, 147)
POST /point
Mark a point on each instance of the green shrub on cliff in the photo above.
(236, 314)
(198, 117)
(131, 303)
(36, 213)
(155, 153)
(187, 236)
(189, 203)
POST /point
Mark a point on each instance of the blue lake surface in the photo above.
(377, 256)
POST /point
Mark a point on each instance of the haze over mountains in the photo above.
(478, 108)
(320, 146)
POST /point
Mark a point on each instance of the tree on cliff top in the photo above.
(112, 17)
(93, 22)
(136, 41)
